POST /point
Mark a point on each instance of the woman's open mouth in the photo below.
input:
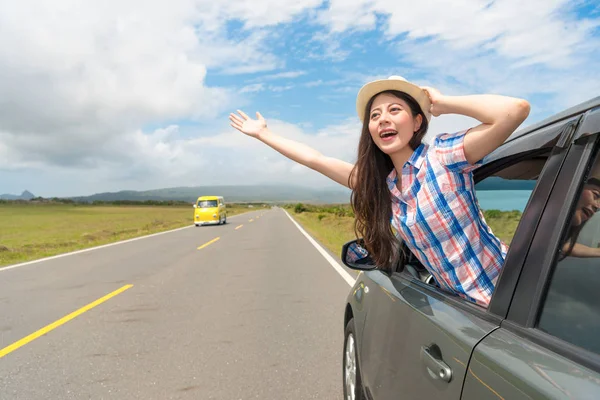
(387, 134)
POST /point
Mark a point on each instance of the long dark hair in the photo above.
(371, 199)
(571, 239)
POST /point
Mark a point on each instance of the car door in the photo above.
(549, 345)
(417, 340)
(415, 343)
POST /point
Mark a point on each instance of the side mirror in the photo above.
(355, 256)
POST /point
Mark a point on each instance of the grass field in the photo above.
(332, 231)
(333, 225)
(32, 231)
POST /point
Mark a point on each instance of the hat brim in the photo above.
(373, 88)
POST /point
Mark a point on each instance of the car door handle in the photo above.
(439, 368)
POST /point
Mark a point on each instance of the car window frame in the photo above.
(517, 251)
(533, 284)
(506, 284)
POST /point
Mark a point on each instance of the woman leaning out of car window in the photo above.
(424, 191)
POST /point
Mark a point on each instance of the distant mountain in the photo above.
(247, 193)
(256, 193)
(26, 195)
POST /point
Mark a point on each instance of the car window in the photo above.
(207, 203)
(571, 310)
(503, 196)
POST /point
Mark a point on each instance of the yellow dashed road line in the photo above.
(209, 243)
(60, 322)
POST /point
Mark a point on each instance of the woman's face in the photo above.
(588, 204)
(391, 123)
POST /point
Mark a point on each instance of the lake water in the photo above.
(503, 200)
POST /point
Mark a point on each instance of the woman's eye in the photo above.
(395, 109)
(373, 116)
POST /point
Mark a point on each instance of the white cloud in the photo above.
(533, 31)
(231, 156)
(329, 46)
(164, 158)
(448, 124)
(343, 15)
(268, 12)
(244, 56)
(316, 83)
(255, 87)
(261, 87)
(76, 76)
(472, 72)
(511, 47)
(282, 75)
(278, 89)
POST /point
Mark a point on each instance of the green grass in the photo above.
(503, 223)
(333, 225)
(332, 231)
(32, 231)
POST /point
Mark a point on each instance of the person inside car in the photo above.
(425, 192)
(587, 206)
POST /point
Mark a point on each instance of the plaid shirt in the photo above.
(438, 217)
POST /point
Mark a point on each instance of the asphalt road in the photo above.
(257, 314)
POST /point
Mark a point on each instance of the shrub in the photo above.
(321, 216)
(299, 208)
(492, 214)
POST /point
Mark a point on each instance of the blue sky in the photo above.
(135, 94)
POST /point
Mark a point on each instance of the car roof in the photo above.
(209, 197)
(536, 135)
(570, 112)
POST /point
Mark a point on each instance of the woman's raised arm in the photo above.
(499, 117)
(337, 170)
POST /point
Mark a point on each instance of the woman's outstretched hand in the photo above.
(247, 125)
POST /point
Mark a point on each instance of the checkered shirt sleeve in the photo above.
(450, 151)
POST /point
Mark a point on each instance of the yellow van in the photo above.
(210, 210)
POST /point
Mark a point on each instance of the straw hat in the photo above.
(392, 83)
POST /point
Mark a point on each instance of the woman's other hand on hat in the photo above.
(247, 125)
(436, 100)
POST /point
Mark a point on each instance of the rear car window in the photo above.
(571, 310)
